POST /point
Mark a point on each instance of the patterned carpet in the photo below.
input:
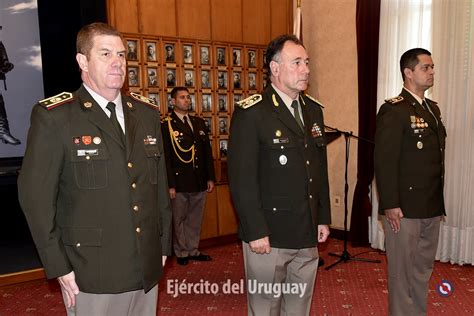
(352, 288)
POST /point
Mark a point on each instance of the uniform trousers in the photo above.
(293, 267)
(410, 253)
(188, 209)
(133, 303)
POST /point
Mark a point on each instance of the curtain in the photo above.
(453, 48)
(367, 22)
(404, 24)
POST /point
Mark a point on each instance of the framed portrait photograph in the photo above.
(237, 80)
(223, 128)
(264, 80)
(152, 76)
(192, 102)
(170, 77)
(206, 102)
(170, 53)
(237, 97)
(133, 76)
(252, 80)
(236, 57)
(188, 78)
(222, 102)
(252, 58)
(222, 80)
(150, 51)
(154, 97)
(208, 124)
(205, 79)
(204, 53)
(132, 49)
(188, 54)
(169, 103)
(223, 148)
(220, 56)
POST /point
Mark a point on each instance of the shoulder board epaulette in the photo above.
(250, 101)
(166, 119)
(57, 100)
(313, 99)
(144, 100)
(434, 102)
(394, 100)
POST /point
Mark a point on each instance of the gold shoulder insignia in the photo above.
(57, 100)
(394, 100)
(313, 99)
(250, 101)
(144, 100)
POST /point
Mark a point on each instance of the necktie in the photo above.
(113, 118)
(186, 123)
(294, 105)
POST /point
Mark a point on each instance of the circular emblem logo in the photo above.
(283, 160)
(96, 140)
(445, 288)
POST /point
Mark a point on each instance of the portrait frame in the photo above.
(135, 80)
(206, 83)
(222, 80)
(252, 83)
(236, 97)
(153, 80)
(237, 85)
(155, 97)
(205, 55)
(221, 56)
(169, 52)
(208, 122)
(151, 53)
(188, 53)
(169, 105)
(133, 49)
(223, 125)
(192, 102)
(189, 78)
(252, 58)
(206, 103)
(170, 77)
(223, 144)
(222, 103)
(237, 57)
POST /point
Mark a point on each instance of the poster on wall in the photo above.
(21, 77)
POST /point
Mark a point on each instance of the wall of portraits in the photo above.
(217, 74)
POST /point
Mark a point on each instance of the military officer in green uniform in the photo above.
(279, 182)
(190, 168)
(409, 169)
(93, 186)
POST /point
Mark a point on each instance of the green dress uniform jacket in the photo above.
(278, 174)
(409, 157)
(190, 175)
(95, 206)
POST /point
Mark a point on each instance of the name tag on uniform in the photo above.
(284, 140)
(87, 152)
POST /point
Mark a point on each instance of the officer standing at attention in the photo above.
(409, 169)
(93, 186)
(190, 169)
(279, 181)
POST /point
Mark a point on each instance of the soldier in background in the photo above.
(5, 66)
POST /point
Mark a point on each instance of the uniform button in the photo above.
(135, 208)
(78, 244)
(196, 158)
(88, 157)
(197, 167)
(177, 173)
(305, 145)
(130, 165)
(307, 162)
(310, 196)
(310, 179)
(410, 188)
(441, 149)
(138, 230)
(134, 185)
(282, 147)
(274, 209)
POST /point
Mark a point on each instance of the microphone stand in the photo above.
(345, 255)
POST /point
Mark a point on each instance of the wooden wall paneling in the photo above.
(157, 17)
(123, 15)
(281, 17)
(209, 227)
(227, 217)
(256, 21)
(226, 17)
(194, 19)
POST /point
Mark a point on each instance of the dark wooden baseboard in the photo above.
(22, 276)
